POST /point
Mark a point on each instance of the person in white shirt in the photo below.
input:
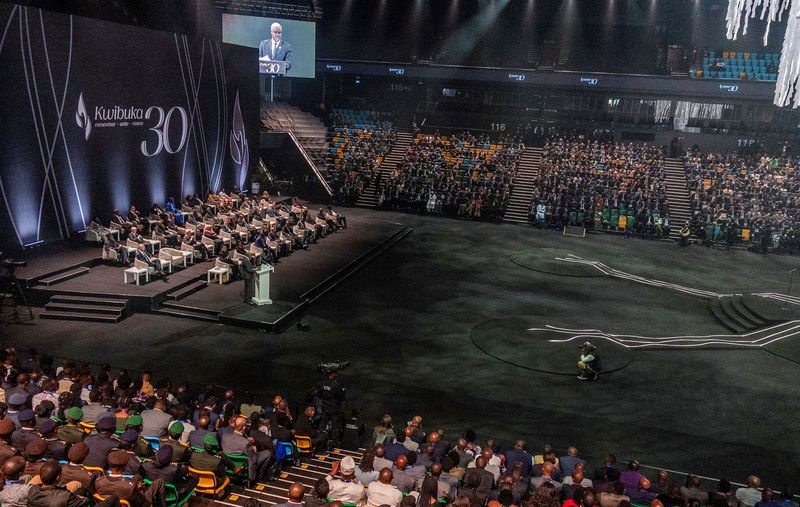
(381, 492)
(347, 489)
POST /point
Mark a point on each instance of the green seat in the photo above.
(631, 221)
(581, 218)
(238, 460)
(573, 218)
(614, 221)
(623, 209)
(171, 494)
(606, 216)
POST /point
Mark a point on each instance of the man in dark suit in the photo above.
(477, 482)
(275, 48)
(246, 269)
(109, 243)
(143, 256)
(305, 427)
(520, 454)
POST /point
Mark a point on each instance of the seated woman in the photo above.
(173, 209)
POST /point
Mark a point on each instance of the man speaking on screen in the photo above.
(275, 48)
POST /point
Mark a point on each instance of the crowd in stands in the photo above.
(357, 157)
(73, 432)
(744, 198)
(360, 140)
(602, 185)
(228, 228)
(461, 176)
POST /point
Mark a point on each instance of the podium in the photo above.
(262, 285)
(273, 67)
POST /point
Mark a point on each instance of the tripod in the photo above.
(17, 296)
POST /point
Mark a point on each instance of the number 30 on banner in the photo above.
(161, 130)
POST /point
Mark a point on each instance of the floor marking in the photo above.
(758, 338)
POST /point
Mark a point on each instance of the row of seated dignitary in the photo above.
(279, 227)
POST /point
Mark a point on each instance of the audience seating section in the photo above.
(733, 65)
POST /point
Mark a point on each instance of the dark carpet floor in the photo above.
(410, 322)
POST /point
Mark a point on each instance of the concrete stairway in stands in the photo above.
(520, 201)
(737, 315)
(85, 308)
(307, 472)
(369, 197)
(307, 128)
(679, 207)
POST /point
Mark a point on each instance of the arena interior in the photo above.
(532, 253)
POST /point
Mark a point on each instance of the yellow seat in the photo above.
(303, 444)
(98, 470)
(208, 484)
(86, 427)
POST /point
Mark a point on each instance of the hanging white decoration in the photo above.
(737, 18)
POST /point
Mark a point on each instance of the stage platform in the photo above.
(70, 278)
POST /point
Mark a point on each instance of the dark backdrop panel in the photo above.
(97, 116)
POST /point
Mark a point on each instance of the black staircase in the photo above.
(85, 308)
(369, 197)
(736, 315)
(520, 201)
(679, 207)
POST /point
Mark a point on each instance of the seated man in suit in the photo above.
(332, 225)
(306, 427)
(235, 442)
(190, 240)
(135, 218)
(143, 256)
(269, 254)
(225, 256)
(135, 236)
(110, 244)
(116, 218)
(341, 220)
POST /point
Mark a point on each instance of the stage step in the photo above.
(100, 301)
(69, 307)
(189, 312)
(86, 308)
(721, 317)
(63, 277)
(188, 290)
(748, 314)
(90, 317)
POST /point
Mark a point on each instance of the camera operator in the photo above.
(331, 397)
(589, 363)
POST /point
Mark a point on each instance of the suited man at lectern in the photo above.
(275, 48)
(247, 271)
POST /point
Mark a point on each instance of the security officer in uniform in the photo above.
(331, 396)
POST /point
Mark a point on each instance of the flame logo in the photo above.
(82, 117)
(238, 142)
